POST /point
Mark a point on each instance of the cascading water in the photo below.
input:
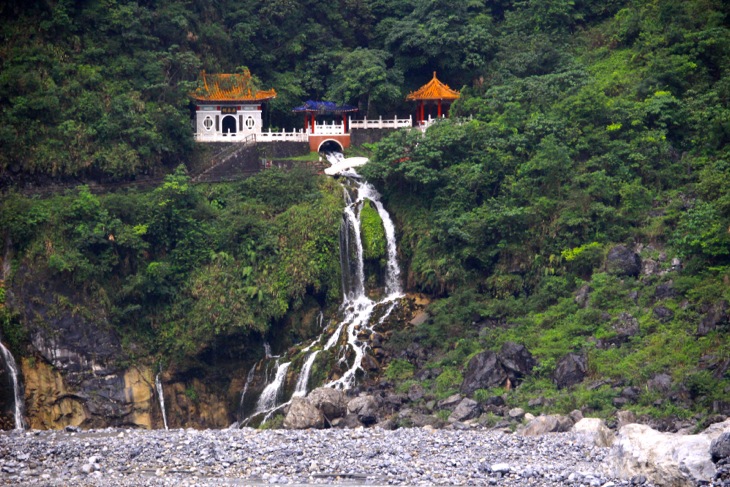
(268, 399)
(357, 309)
(12, 368)
(301, 388)
(161, 398)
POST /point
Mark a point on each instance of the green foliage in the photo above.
(448, 382)
(372, 233)
(181, 266)
(399, 369)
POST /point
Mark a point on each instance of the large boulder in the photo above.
(594, 431)
(570, 370)
(303, 415)
(517, 361)
(622, 261)
(664, 458)
(720, 447)
(365, 408)
(467, 409)
(484, 370)
(715, 317)
(553, 423)
(331, 402)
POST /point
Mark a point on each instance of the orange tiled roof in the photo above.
(433, 90)
(231, 87)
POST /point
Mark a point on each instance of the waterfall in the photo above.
(12, 367)
(301, 388)
(267, 350)
(357, 309)
(161, 398)
(249, 377)
(267, 400)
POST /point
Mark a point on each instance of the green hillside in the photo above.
(587, 131)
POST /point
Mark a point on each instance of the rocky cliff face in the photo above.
(76, 372)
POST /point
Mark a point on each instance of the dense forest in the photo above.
(583, 127)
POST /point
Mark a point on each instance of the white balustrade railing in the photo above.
(394, 123)
(329, 129)
(222, 136)
(293, 136)
(325, 128)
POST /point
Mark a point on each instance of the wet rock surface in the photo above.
(408, 456)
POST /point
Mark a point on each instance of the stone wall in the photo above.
(243, 162)
(359, 137)
(279, 150)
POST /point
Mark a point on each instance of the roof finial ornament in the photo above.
(434, 75)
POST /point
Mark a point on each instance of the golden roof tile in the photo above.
(231, 87)
(433, 90)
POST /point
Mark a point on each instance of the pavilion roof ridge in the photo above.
(434, 90)
(231, 87)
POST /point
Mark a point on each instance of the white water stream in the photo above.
(12, 367)
(267, 400)
(161, 397)
(357, 308)
(301, 387)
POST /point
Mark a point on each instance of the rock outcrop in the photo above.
(303, 415)
(331, 402)
(570, 370)
(622, 261)
(670, 459)
(594, 431)
(489, 369)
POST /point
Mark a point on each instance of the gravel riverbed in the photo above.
(186, 457)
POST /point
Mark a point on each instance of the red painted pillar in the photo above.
(423, 116)
(439, 108)
(313, 123)
(344, 122)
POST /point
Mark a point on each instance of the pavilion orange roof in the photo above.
(433, 90)
(231, 87)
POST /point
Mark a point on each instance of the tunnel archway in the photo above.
(330, 145)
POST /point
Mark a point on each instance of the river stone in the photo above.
(483, 371)
(303, 415)
(622, 261)
(664, 458)
(570, 370)
(553, 423)
(467, 409)
(594, 431)
(331, 402)
(366, 409)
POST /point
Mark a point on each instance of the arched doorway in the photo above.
(330, 145)
(229, 125)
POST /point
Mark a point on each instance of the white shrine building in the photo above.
(228, 107)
